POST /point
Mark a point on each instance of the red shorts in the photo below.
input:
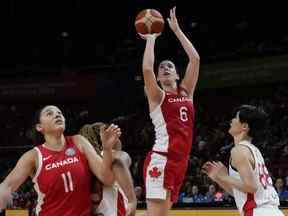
(162, 174)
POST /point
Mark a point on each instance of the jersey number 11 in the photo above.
(67, 180)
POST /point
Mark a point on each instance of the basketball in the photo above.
(149, 21)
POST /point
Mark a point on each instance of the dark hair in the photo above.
(255, 117)
(37, 137)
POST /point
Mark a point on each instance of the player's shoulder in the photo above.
(184, 92)
(32, 153)
(29, 156)
(240, 151)
(79, 141)
(77, 137)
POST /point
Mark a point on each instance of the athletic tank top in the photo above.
(62, 181)
(265, 195)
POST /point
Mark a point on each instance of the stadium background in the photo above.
(86, 58)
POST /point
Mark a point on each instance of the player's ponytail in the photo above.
(37, 137)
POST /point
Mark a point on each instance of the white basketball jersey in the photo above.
(113, 203)
(265, 195)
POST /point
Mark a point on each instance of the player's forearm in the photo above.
(5, 194)
(225, 186)
(5, 186)
(238, 184)
(107, 173)
(124, 179)
(23, 169)
(149, 58)
(187, 45)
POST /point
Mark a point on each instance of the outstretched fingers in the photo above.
(147, 36)
(173, 13)
(172, 20)
(114, 130)
(206, 168)
(210, 166)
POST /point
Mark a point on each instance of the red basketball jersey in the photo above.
(173, 120)
(62, 181)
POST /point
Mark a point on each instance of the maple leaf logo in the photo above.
(154, 172)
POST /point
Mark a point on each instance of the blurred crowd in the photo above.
(211, 141)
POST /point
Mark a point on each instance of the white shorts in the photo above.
(154, 177)
(162, 174)
(113, 203)
(265, 212)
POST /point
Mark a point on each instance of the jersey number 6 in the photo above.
(183, 113)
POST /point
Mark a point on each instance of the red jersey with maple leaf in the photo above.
(62, 181)
(173, 120)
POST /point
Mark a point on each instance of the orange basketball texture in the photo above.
(149, 21)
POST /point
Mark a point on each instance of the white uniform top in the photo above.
(265, 195)
(113, 203)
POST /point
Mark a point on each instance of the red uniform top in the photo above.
(173, 120)
(62, 181)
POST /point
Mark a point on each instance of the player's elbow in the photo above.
(147, 69)
(195, 58)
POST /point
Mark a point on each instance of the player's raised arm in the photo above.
(153, 91)
(192, 71)
(102, 167)
(149, 24)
